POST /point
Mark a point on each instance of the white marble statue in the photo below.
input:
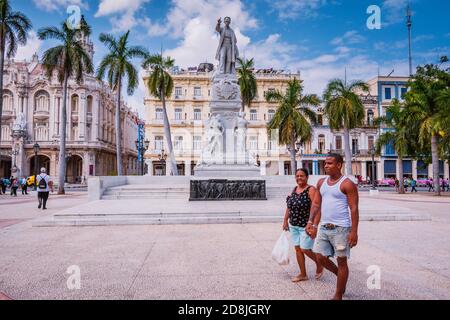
(214, 139)
(20, 123)
(227, 52)
(240, 131)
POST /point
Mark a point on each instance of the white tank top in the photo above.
(335, 208)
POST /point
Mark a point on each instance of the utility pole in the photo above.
(409, 25)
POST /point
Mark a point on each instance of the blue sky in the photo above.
(320, 38)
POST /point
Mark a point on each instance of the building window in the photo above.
(159, 114)
(320, 120)
(390, 149)
(178, 92)
(321, 143)
(355, 148)
(370, 142)
(42, 101)
(253, 115)
(338, 143)
(403, 92)
(270, 115)
(178, 114)
(89, 104)
(178, 145)
(159, 143)
(197, 143)
(387, 93)
(8, 102)
(253, 143)
(75, 102)
(370, 117)
(197, 92)
(197, 114)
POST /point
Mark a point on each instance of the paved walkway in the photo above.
(214, 261)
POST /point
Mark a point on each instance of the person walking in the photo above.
(24, 186)
(405, 184)
(43, 188)
(430, 185)
(1, 186)
(295, 220)
(397, 185)
(413, 185)
(331, 224)
(14, 186)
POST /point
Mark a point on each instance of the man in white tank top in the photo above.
(333, 221)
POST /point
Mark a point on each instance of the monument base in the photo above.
(227, 171)
(227, 189)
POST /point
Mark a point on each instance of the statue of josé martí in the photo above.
(227, 52)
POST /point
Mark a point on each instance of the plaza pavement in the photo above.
(230, 261)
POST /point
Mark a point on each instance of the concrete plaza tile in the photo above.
(214, 287)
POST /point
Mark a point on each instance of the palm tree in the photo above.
(247, 81)
(68, 59)
(160, 85)
(397, 134)
(292, 115)
(14, 27)
(428, 109)
(345, 111)
(117, 65)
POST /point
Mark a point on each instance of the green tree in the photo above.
(397, 133)
(247, 81)
(292, 115)
(68, 59)
(160, 85)
(345, 111)
(116, 65)
(428, 109)
(14, 27)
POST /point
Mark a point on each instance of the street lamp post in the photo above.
(162, 159)
(142, 147)
(36, 149)
(372, 152)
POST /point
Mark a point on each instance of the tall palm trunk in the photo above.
(62, 139)
(293, 152)
(348, 152)
(118, 131)
(172, 160)
(435, 159)
(2, 65)
(400, 173)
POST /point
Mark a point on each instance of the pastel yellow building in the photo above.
(188, 108)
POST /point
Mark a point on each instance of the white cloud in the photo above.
(33, 45)
(52, 5)
(123, 12)
(350, 37)
(291, 9)
(394, 11)
(206, 12)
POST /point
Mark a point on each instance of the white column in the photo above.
(281, 167)
(263, 168)
(364, 170)
(380, 169)
(187, 168)
(446, 170)
(149, 164)
(168, 170)
(299, 164)
(414, 169)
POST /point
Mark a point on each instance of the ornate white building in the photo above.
(31, 98)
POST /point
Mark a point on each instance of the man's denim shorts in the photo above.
(300, 238)
(332, 243)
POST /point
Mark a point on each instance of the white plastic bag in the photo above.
(280, 252)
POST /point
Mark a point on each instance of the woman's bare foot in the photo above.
(319, 272)
(337, 297)
(300, 278)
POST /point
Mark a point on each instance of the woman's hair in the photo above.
(306, 172)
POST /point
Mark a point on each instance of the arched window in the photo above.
(321, 143)
(89, 104)
(8, 101)
(42, 101)
(75, 101)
